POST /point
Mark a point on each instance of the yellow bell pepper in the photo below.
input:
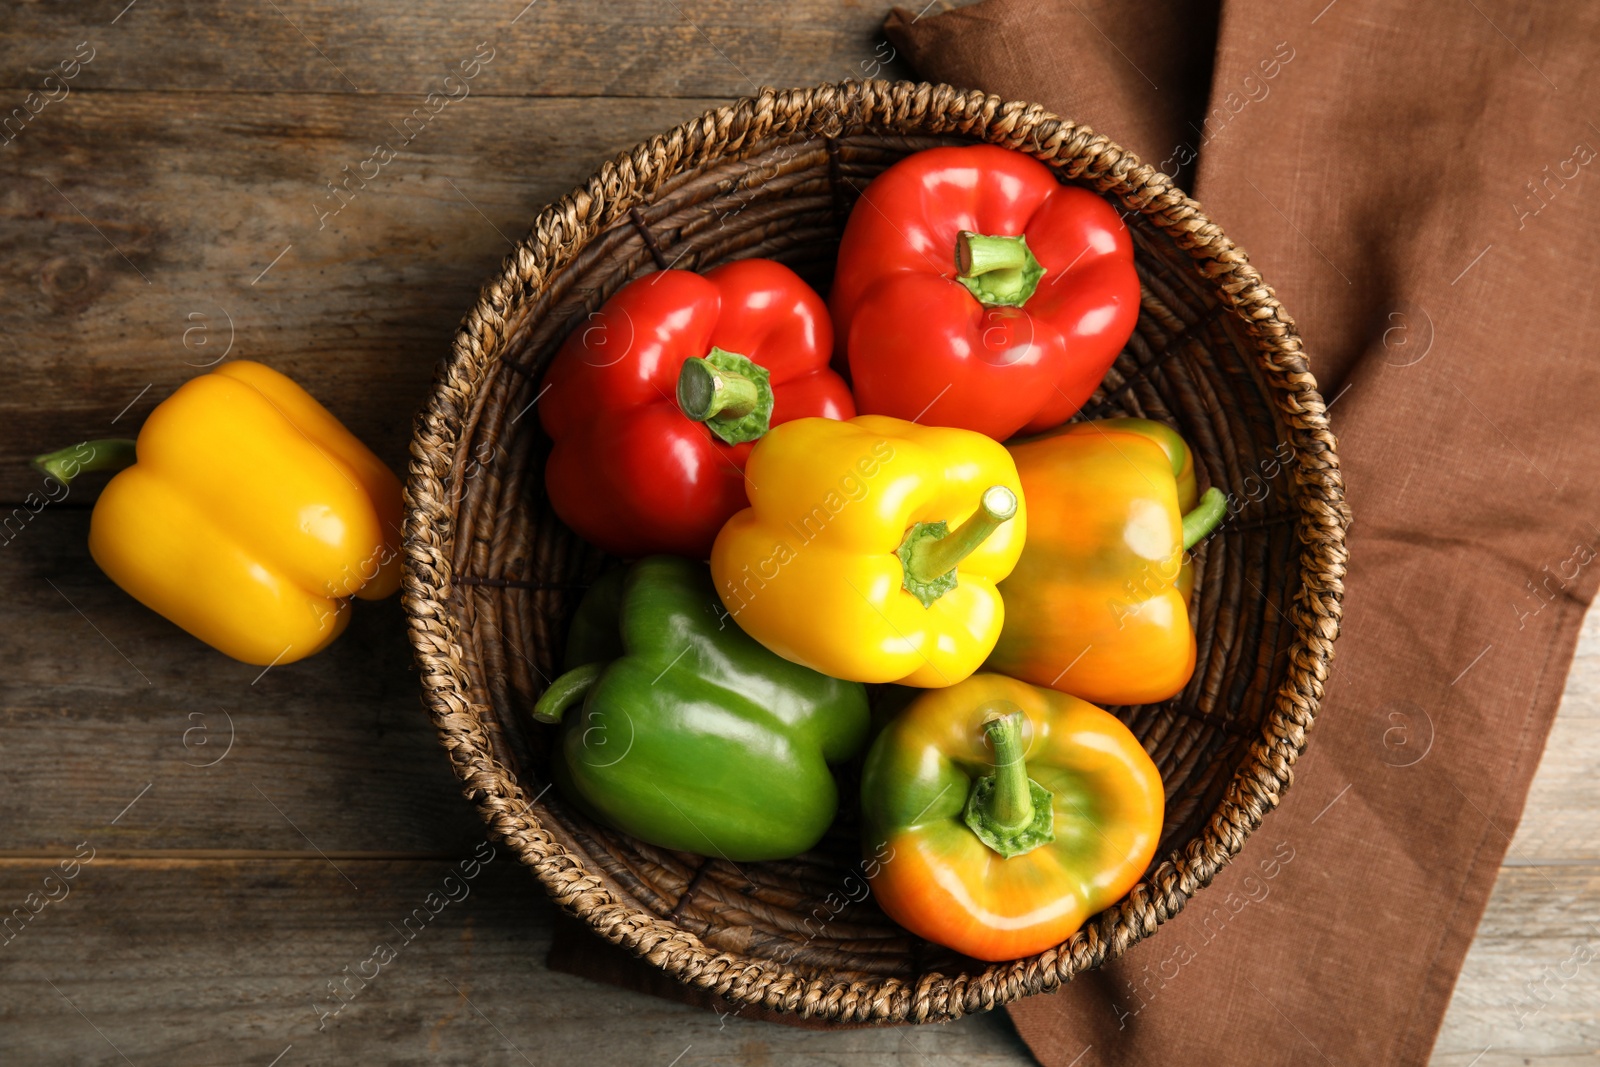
(249, 516)
(871, 548)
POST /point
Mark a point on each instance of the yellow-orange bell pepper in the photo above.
(1100, 598)
(250, 514)
(871, 548)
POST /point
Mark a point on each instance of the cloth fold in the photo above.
(1413, 183)
(1142, 70)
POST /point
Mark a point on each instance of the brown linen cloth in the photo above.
(1414, 182)
(1415, 185)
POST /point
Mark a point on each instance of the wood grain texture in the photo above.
(170, 203)
(188, 963)
(1559, 823)
(101, 700)
(546, 48)
(1529, 991)
(113, 300)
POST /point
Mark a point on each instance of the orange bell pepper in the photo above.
(1097, 604)
(1006, 815)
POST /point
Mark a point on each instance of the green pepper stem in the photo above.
(997, 270)
(706, 391)
(1007, 810)
(1010, 806)
(1207, 515)
(567, 690)
(730, 393)
(107, 454)
(928, 559)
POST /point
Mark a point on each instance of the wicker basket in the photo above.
(492, 577)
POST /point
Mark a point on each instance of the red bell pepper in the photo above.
(652, 405)
(975, 290)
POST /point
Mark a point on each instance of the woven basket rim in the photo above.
(562, 229)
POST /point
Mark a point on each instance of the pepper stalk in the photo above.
(931, 550)
(568, 689)
(1007, 810)
(730, 393)
(999, 271)
(1204, 518)
(107, 454)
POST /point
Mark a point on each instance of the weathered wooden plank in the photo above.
(189, 963)
(1530, 989)
(179, 960)
(1524, 994)
(103, 703)
(545, 48)
(126, 270)
(1558, 824)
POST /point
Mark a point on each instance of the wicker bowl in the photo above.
(492, 576)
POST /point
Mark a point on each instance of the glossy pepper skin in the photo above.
(1025, 344)
(691, 736)
(1082, 839)
(250, 515)
(1097, 605)
(817, 568)
(630, 470)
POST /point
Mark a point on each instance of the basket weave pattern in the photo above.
(492, 576)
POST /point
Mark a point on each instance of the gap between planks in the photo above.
(709, 99)
(163, 857)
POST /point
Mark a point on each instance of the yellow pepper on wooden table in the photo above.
(871, 548)
(245, 513)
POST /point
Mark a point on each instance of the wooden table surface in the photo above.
(197, 847)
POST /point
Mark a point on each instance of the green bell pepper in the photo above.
(692, 736)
